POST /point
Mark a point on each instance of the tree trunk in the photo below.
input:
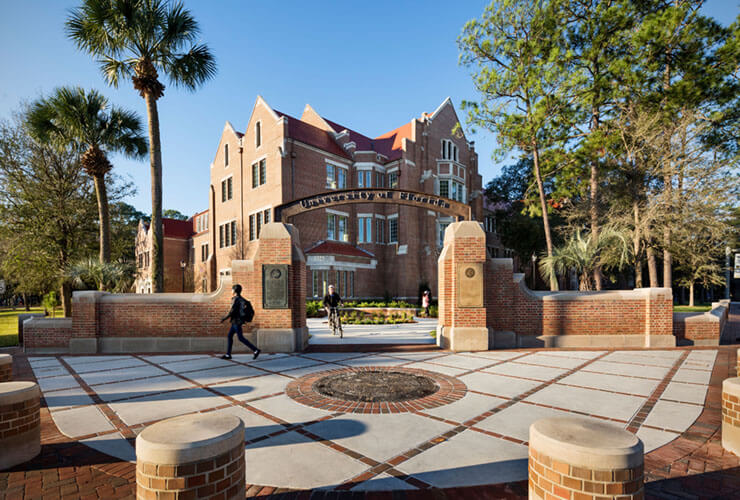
(26, 305)
(594, 214)
(667, 259)
(155, 160)
(104, 217)
(652, 267)
(636, 244)
(545, 218)
(691, 294)
(66, 294)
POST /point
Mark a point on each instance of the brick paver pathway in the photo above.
(692, 466)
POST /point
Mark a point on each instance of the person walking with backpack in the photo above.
(241, 312)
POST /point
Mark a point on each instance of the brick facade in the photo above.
(279, 158)
(45, 333)
(6, 367)
(702, 328)
(552, 478)
(220, 477)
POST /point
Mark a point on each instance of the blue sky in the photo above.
(371, 66)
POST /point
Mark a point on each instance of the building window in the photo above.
(259, 223)
(380, 230)
(202, 223)
(226, 155)
(320, 283)
(336, 177)
(379, 180)
(227, 189)
(441, 235)
(204, 252)
(259, 173)
(266, 216)
(227, 234)
(444, 188)
(258, 134)
(449, 150)
(365, 178)
(336, 227)
(393, 179)
(252, 227)
(364, 229)
(393, 230)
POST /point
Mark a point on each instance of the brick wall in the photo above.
(509, 306)
(19, 418)
(701, 328)
(45, 332)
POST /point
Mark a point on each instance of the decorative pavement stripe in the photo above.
(639, 418)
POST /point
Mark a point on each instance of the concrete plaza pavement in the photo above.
(401, 333)
(104, 401)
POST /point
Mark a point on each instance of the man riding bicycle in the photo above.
(332, 300)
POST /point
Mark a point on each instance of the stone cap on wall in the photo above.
(6, 359)
(573, 295)
(88, 296)
(731, 386)
(586, 443)
(463, 229)
(189, 438)
(18, 392)
(48, 323)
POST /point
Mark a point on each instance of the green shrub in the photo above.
(314, 309)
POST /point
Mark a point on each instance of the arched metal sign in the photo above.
(445, 206)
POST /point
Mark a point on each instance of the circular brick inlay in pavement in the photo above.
(376, 389)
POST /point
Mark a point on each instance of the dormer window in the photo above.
(226, 155)
(449, 150)
(258, 134)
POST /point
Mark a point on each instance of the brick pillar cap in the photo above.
(18, 392)
(6, 359)
(189, 438)
(586, 443)
(731, 386)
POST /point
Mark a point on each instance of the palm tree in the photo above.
(585, 254)
(85, 121)
(117, 277)
(139, 39)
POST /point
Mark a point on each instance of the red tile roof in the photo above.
(337, 248)
(174, 228)
(390, 144)
(313, 136)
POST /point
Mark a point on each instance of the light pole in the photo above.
(534, 275)
(183, 265)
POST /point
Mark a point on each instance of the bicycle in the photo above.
(335, 322)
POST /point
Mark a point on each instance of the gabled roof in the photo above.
(338, 248)
(389, 144)
(313, 136)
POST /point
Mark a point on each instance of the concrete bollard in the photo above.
(6, 367)
(738, 362)
(192, 456)
(581, 458)
(731, 415)
(20, 423)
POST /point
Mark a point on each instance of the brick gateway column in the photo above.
(581, 458)
(731, 415)
(462, 311)
(6, 367)
(193, 456)
(20, 423)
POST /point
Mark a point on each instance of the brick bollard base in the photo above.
(576, 458)
(197, 456)
(6, 367)
(731, 415)
(20, 423)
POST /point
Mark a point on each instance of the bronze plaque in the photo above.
(470, 284)
(275, 286)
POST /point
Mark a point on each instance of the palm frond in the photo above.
(191, 69)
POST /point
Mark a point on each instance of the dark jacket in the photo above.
(332, 300)
(234, 313)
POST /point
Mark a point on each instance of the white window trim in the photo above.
(227, 177)
(257, 160)
(364, 215)
(337, 212)
(378, 216)
(369, 165)
(391, 170)
(338, 164)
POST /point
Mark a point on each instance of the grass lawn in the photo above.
(691, 309)
(9, 324)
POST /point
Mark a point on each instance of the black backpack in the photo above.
(246, 311)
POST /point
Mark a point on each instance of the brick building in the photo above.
(366, 249)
